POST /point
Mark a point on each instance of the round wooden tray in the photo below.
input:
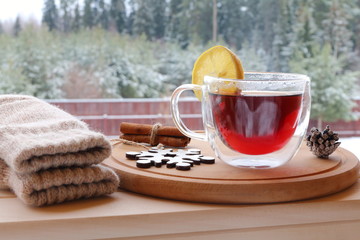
(303, 177)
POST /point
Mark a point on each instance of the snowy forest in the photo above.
(142, 49)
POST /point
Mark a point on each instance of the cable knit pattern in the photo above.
(48, 156)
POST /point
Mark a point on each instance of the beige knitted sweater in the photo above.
(48, 156)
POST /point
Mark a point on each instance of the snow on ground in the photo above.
(352, 144)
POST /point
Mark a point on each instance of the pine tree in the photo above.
(190, 21)
(50, 15)
(131, 17)
(336, 30)
(200, 20)
(88, 15)
(66, 17)
(305, 29)
(172, 27)
(233, 12)
(17, 26)
(104, 19)
(354, 25)
(225, 14)
(118, 14)
(144, 19)
(76, 23)
(177, 27)
(268, 12)
(159, 8)
(332, 88)
(284, 39)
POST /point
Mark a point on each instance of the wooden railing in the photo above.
(105, 115)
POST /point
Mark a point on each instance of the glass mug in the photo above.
(260, 126)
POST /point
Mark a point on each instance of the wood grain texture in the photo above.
(304, 177)
(126, 215)
(6, 193)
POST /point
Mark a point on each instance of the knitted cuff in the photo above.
(63, 184)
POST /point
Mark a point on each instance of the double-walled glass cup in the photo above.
(255, 122)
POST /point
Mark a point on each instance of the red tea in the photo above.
(256, 123)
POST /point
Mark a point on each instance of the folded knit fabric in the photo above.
(35, 135)
(57, 185)
(37, 140)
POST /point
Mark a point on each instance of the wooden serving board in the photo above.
(303, 177)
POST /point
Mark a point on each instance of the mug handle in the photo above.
(174, 107)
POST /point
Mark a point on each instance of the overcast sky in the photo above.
(25, 8)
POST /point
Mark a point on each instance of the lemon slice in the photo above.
(217, 61)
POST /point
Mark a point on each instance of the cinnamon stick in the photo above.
(145, 129)
(166, 140)
(145, 133)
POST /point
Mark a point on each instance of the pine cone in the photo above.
(322, 144)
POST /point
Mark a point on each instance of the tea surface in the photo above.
(256, 123)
